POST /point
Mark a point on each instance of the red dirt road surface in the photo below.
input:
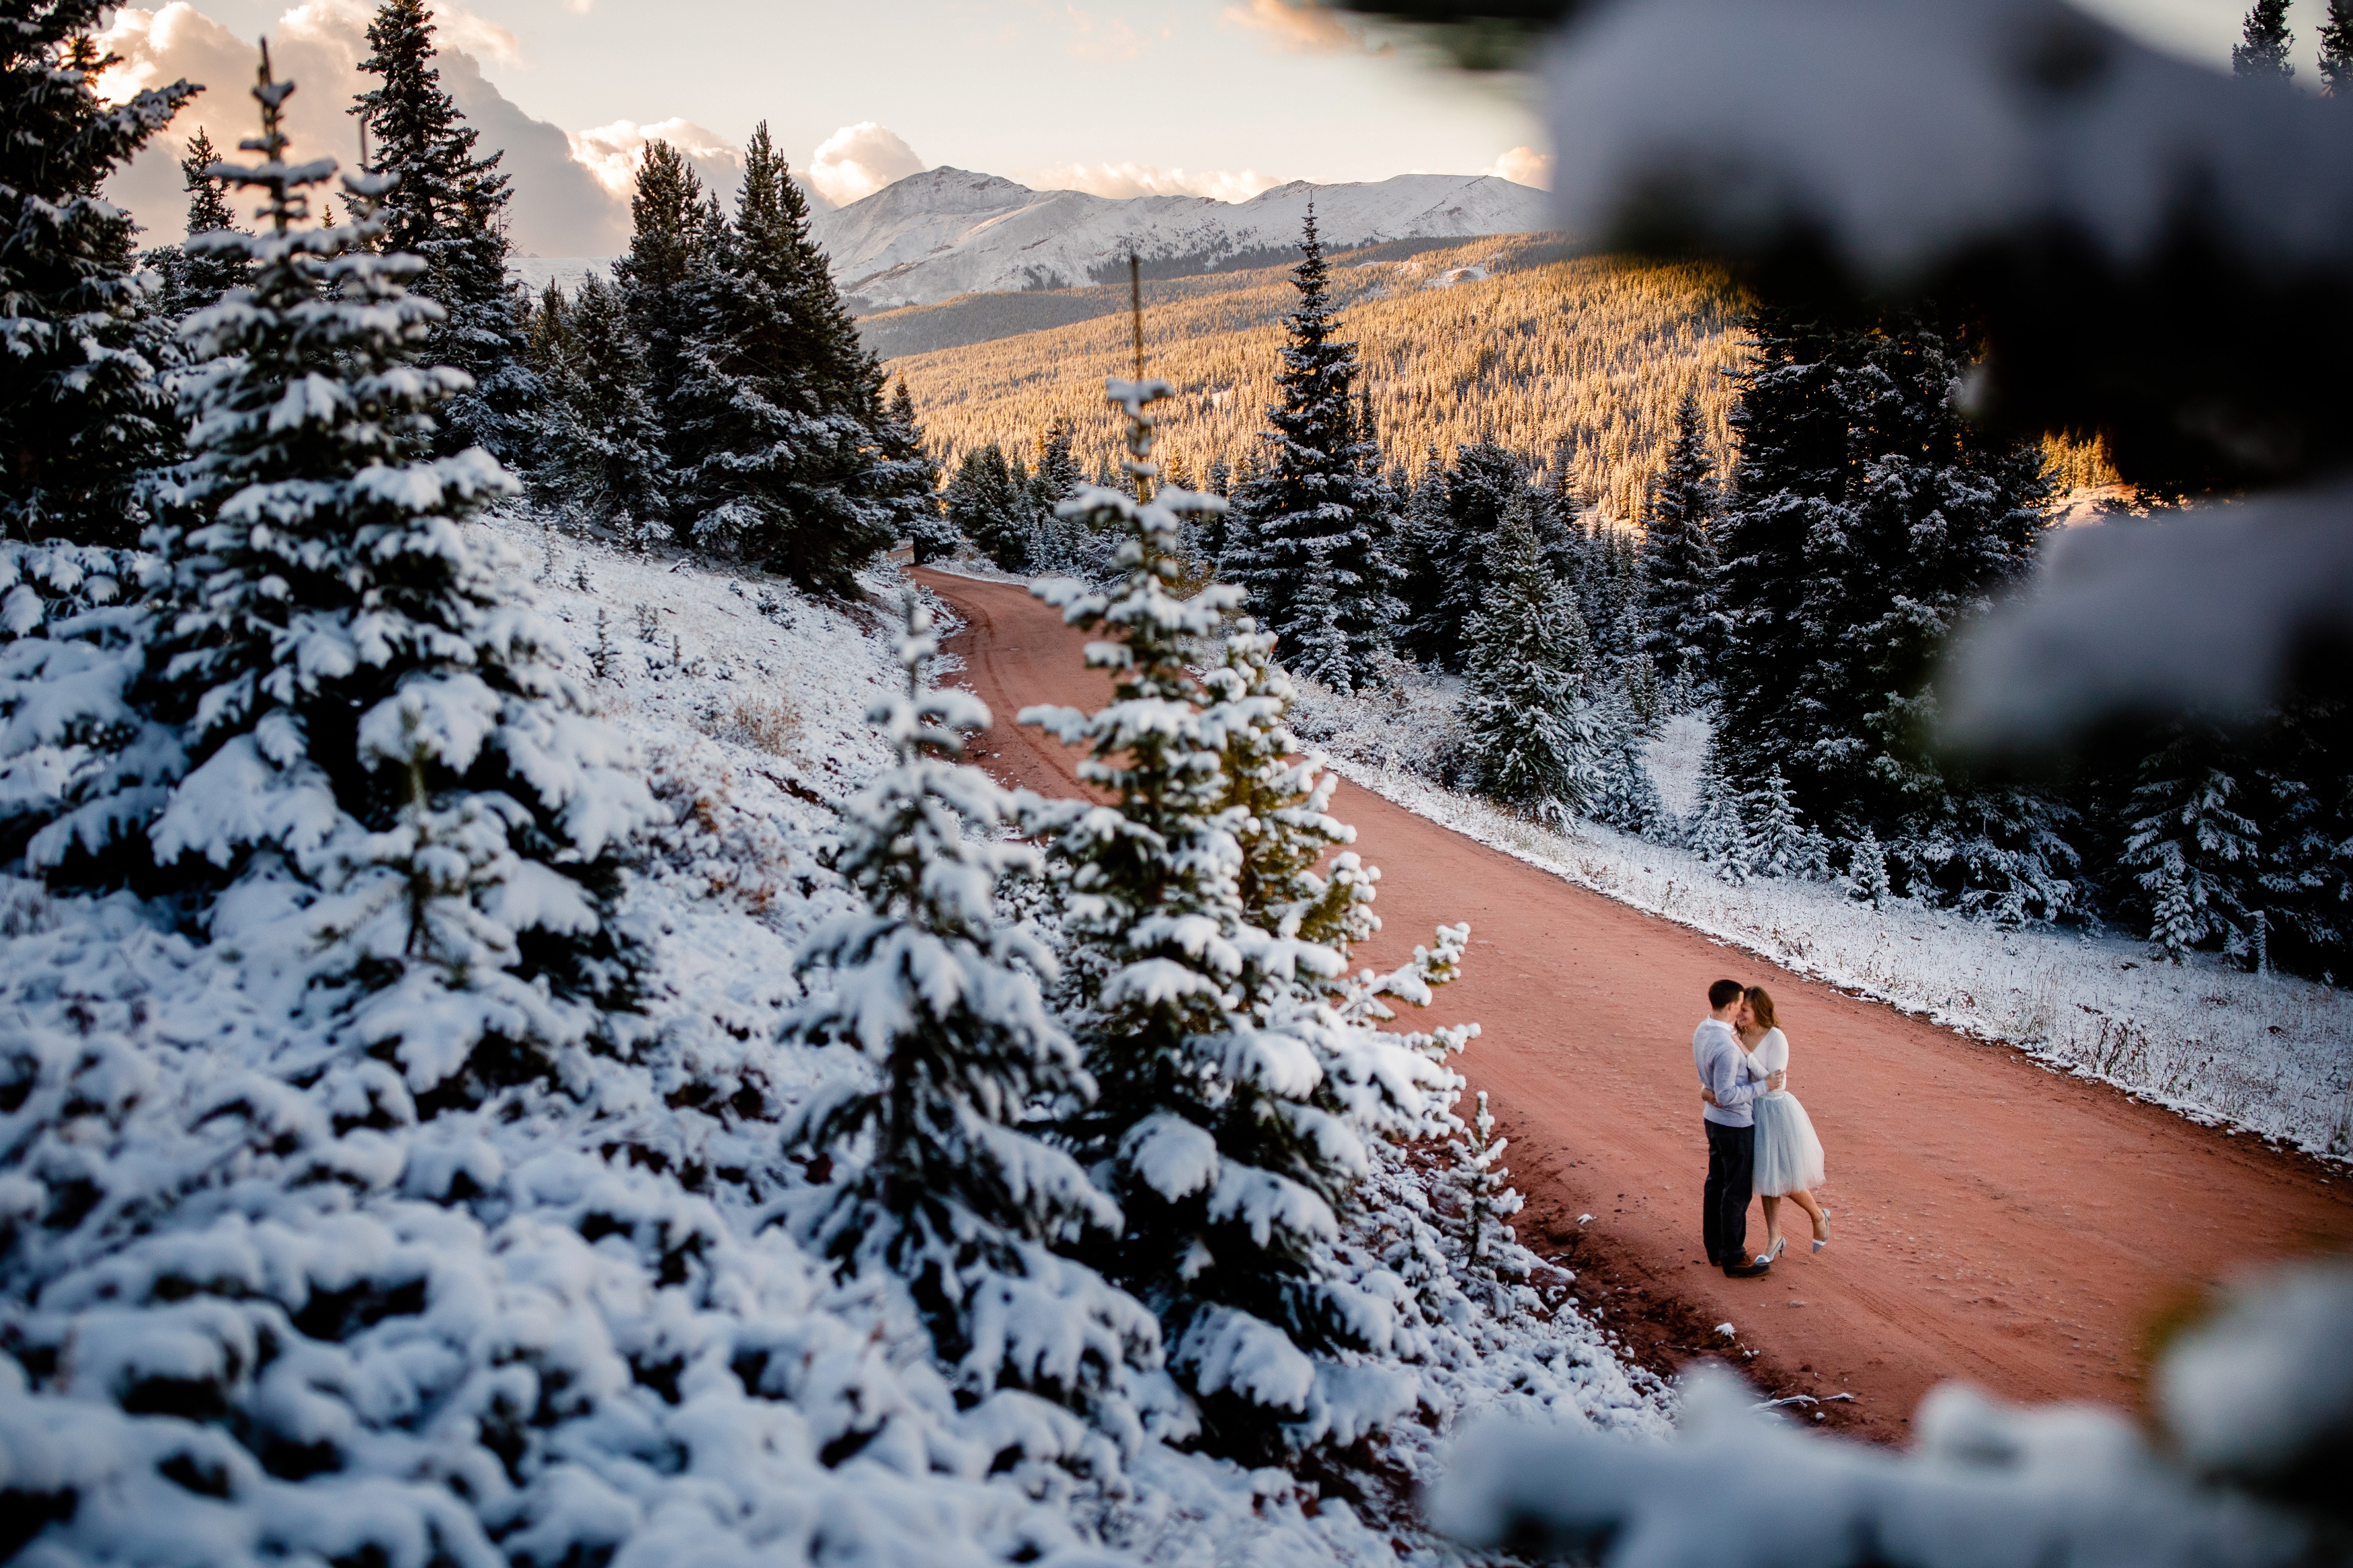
(1991, 1220)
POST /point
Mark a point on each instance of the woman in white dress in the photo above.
(1789, 1154)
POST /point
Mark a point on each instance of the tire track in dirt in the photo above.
(1992, 1220)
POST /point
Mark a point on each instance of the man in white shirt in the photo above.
(1731, 1132)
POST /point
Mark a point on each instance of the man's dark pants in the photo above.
(1731, 1183)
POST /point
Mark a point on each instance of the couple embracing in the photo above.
(1759, 1139)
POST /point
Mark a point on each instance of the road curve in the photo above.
(1991, 1220)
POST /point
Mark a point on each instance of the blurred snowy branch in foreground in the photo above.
(2258, 1406)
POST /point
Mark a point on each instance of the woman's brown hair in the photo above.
(1761, 1006)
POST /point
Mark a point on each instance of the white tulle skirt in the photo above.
(1789, 1156)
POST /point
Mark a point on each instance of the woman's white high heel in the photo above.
(1770, 1257)
(1824, 1241)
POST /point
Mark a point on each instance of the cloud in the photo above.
(560, 208)
(612, 154)
(859, 160)
(1523, 166)
(1301, 26)
(1125, 180)
(1106, 42)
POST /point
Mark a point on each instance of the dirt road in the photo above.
(1991, 1220)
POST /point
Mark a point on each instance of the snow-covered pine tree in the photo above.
(2261, 52)
(1206, 1131)
(1678, 563)
(912, 474)
(1623, 795)
(1718, 833)
(352, 723)
(778, 412)
(83, 413)
(1530, 732)
(2337, 49)
(1485, 1245)
(1422, 559)
(1778, 841)
(946, 1182)
(1318, 495)
(1320, 647)
(1061, 541)
(2304, 812)
(666, 212)
(2195, 855)
(196, 274)
(1474, 499)
(1866, 871)
(985, 505)
(600, 454)
(448, 208)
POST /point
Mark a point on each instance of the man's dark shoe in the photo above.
(1746, 1270)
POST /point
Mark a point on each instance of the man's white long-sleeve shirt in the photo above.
(1723, 1067)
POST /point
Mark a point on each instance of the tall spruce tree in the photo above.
(1531, 736)
(2195, 854)
(1681, 632)
(946, 1183)
(83, 411)
(778, 417)
(2265, 40)
(198, 272)
(1207, 1130)
(987, 505)
(2337, 49)
(1458, 526)
(1318, 500)
(601, 458)
(448, 208)
(347, 716)
(666, 211)
(911, 475)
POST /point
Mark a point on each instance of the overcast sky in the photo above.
(1122, 96)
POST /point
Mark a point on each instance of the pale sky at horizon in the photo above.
(1218, 97)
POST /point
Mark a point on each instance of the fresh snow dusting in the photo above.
(264, 1306)
(2269, 1054)
(947, 232)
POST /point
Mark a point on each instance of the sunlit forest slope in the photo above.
(1577, 361)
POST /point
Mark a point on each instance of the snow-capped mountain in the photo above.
(947, 232)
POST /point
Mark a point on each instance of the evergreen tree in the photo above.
(2336, 48)
(1423, 559)
(1059, 541)
(2196, 857)
(1718, 833)
(1206, 1132)
(347, 716)
(666, 211)
(2304, 812)
(1776, 841)
(1623, 795)
(198, 273)
(1866, 871)
(2264, 41)
(1678, 564)
(83, 413)
(912, 475)
(1318, 495)
(1530, 736)
(1455, 533)
(957, 1194)
(1485, 1200)
(987, 505)
(601, 458)
(447, 208)
(778, 415)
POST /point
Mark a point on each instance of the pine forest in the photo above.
(648, 923)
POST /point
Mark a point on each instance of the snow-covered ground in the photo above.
(258, 1305)
(2268, 1054)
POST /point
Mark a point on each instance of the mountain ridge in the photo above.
(947, 231)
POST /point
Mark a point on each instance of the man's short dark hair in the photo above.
(1725, 993)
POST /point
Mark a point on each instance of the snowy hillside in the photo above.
(947, 232)
(261, 1303)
